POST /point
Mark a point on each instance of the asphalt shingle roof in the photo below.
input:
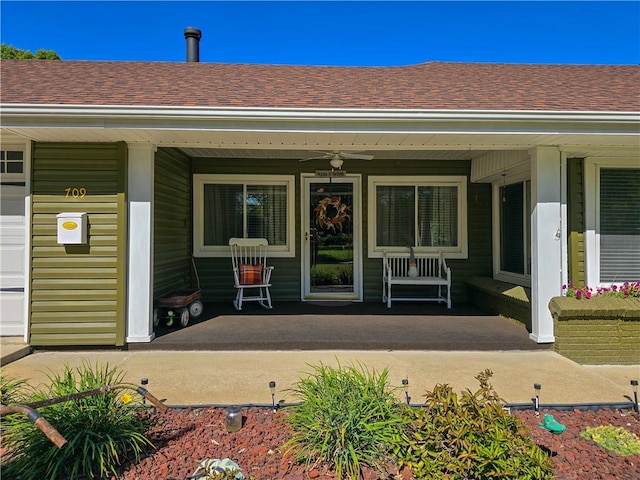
(427, 86)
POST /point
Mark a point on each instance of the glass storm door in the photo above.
(331, 244)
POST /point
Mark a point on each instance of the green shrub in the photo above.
(13, 391)
(340, 239)
(469, 436)
(103, 430)
(331, 275)
(347, 419)
(614, 439)
(335, 255)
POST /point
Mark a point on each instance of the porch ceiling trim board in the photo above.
(317, 139)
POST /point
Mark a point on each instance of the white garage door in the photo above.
(12, 242)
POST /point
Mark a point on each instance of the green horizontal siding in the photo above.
(172, 222)
(62, 251)
(79, 337)
(75, 295)
(575, 195)
(77, 292)
(84, 306)
(73, 317)
(87, 263)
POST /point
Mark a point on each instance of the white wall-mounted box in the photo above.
(72, 228)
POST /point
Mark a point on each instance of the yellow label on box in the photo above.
(69, 225)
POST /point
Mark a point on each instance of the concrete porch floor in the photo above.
(344, 326)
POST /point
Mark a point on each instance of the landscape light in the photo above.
(405, 383)
(634, 385)
(233, 419)
(144, 381)
(536, 398)
(272, 386)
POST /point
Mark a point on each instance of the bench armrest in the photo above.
(386, 266)
(446, 271)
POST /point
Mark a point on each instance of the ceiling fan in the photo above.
(336, 158)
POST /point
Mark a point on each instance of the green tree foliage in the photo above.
(9, 52)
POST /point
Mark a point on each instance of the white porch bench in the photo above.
(432, 270)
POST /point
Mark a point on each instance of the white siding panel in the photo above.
(11, 314)
(490, 166)
(12, 260)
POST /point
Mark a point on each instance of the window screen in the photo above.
(619, 225)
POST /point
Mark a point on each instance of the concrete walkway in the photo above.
(242, 377)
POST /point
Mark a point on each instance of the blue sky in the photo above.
(330, 32)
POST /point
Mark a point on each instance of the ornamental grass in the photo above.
(348, 418)
(103, 431)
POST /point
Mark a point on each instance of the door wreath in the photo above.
(331, 213)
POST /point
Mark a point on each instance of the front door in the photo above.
(331, 244)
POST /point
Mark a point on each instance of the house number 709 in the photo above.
(75, 192)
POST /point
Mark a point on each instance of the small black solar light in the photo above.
(272, 386)
(144, 381)
(405, 384)
(536, 398)
(634, 385)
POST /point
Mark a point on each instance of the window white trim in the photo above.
(458, 181)
(592, 167)
(199, 182)
(15, 177)
(498, 273)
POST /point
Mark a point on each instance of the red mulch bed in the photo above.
(185, 437)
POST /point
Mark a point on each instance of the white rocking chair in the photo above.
(250, 270)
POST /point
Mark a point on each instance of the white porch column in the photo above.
(140, 261)
(546, 244)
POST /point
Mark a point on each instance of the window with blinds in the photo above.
(424, 213)
(619, 225)
(227, 206)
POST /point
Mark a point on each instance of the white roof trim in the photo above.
(310, 113)
(306, 120)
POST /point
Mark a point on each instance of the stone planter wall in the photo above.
(599, 331)
(501, 298)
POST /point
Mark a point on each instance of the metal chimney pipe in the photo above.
(193, 36)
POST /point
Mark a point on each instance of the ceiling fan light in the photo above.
(336, 162)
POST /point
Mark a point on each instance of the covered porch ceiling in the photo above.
(296, 134)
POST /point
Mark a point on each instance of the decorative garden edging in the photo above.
(600, 331)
